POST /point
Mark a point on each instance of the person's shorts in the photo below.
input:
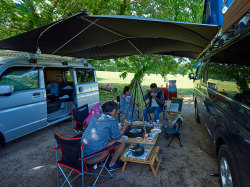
(103, 150)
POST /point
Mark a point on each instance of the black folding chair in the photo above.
(174, 132)
(72, 157)
(78, 116)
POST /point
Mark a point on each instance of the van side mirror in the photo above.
(191, 76)
(6, 89)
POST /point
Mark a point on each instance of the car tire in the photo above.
(196, 113)
(227, 168)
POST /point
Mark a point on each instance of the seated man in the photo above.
(156, 102)
(103, 131)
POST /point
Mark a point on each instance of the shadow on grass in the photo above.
(109, 95)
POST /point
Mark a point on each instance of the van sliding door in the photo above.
(24, 110)
(86, 87)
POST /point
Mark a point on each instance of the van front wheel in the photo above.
(227, 168)
(197, 117)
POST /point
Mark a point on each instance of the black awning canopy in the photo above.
(104, 37)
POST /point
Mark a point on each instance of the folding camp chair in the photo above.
(78, 116)
(175, 105)
(175, 131)
(72, 152)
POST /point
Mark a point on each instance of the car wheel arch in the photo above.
(218, 143)
(220, 137)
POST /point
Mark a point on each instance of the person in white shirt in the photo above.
(156, 102)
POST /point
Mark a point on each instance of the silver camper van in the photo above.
(37, 91)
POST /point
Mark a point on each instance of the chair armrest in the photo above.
(56, 149)
(105, 149)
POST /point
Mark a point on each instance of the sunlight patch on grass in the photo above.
(184, 85)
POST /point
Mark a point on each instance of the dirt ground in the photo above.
(29, 161)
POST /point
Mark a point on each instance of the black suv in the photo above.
(222, 105)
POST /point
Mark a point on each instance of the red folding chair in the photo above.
(72, 157)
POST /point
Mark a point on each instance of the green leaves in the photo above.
(124, 75)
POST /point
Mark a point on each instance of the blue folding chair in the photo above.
(72, 157)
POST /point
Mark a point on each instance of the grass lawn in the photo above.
(184, 85)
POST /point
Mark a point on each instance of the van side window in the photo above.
(231, 80)
(85, 75)
(22, 78)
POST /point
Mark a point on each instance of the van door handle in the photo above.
(80, 89)
(37, 94)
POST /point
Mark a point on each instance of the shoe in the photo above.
(117, 165)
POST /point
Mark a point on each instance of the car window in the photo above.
(231, 80)
(85, 75)
(22, 78)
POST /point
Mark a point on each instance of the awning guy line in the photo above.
(134, 46)
(109, 30)
(74, 36)
(104, 28)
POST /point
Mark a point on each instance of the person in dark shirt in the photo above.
(103, 131)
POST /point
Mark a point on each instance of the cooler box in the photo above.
(172, 93)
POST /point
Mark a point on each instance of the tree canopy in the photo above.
(18, 16)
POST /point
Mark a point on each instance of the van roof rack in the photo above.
(41, 56)
(16, 53)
